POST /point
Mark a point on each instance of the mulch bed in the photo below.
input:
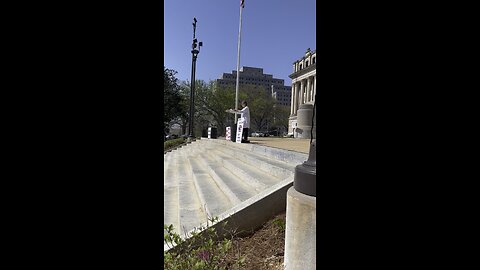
(264, 249)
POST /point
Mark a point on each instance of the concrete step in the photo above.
(211, 195)
(194, 149)
(268, 165)
(287, 156)
(170, 195)
(249, 174)
(218, 178)
(190, 207)
(166, 165)
(231, 185)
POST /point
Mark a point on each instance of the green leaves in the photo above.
(203, 250)
(173, 143)
(280, 223)
(242, 260)
(212, 101)
(171, 95)
(226, 245)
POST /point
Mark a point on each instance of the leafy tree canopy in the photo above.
(172, 97)
(212, 101)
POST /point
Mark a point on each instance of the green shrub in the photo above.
(172, 143)
(280, 224)
(203, 250)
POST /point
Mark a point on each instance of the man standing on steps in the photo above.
(245, 113)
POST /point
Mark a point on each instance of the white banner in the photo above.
(227, 134)
(239, 129)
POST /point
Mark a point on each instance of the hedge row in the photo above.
(173, 143)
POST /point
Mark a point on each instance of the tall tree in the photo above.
(172, 97)
(215, 101)
(210, 105)
(212, 101)
(281, 116)
(261, 106)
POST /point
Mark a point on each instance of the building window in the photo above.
(313, 60)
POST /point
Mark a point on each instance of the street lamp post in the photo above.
(192, 83)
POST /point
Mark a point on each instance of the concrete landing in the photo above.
(297, 145)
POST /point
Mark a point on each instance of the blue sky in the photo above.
(275, 33)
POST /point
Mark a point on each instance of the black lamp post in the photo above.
(192, 89)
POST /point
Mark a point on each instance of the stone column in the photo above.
(302, 93)
(314, 86)
(299, 96)
(308, 89)
(312, 95)
(295, 99)
(292, 99)
(298, 88)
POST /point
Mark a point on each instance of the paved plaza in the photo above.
(297, 145)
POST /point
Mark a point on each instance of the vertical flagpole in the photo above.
(238, 61)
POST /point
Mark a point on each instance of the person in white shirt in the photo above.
(245, 113)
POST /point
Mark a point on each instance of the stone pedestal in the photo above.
(304, 121)
(300, 231)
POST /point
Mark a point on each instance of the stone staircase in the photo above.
(217, 178)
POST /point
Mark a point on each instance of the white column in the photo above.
(314, 86)
(308, 89)
(312, 95)
(305, 91)
(295, 99)
(302, 93)
(292, 100)
(297, 96)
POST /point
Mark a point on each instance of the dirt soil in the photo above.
(264, 249)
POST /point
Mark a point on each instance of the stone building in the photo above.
(304, 88)
(255, 76)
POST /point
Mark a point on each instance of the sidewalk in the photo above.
(297, 145)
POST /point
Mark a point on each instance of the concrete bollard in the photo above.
(300, 231)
